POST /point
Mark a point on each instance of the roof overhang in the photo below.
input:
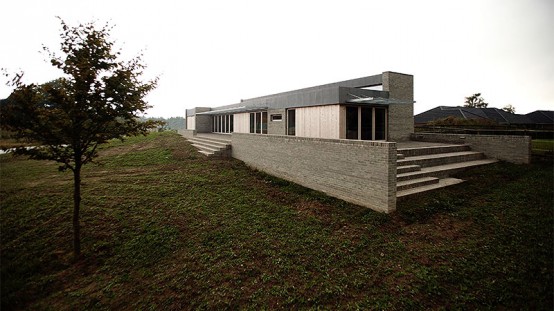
(377, 101)
(233, 110)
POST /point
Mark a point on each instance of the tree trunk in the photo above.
(76, 206)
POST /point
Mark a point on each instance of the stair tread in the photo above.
(219, 140)
(437, 156)
(407, 166)
(447, 167)
(205, 148)
(445, 182)
(430, 147)
(415, 181)
(208, 142)
(206, 152)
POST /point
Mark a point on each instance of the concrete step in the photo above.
(213, 145)
(413, 183)
(442, 171)
(407, 169)
(400, 156)
(441, 159)
(214, 139)
(209, 142)
(420, 151)
(206, 153)
(441, 183)
(206, 148)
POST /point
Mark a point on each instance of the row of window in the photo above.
(363, 123)
(258, 122)
(366, 123)
(223, 123)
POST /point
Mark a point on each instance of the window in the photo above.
(252, 122)
(351, 122)
(258, 122)
(264, 122)
(227, 123)
(222, 123)
(276, 117)
(380, 123)
(291, 122)
(366, 123)
(232, 129)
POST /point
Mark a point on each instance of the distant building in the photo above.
(495, 115)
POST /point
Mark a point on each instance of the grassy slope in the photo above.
(164, 227)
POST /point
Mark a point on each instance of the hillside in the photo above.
(165, 228)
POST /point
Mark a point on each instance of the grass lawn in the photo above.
(165, 228)
(545, 145)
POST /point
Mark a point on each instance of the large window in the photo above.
(258, 122)
(222, 123)
(366, 123)
(291, 122)
(351, 122)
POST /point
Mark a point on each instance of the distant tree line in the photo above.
(172, 124)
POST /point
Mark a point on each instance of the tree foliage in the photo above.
(98, 98)
(509, 109)
(475, 101)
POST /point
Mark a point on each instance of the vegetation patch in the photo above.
(166, 228)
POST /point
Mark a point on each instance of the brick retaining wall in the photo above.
(361, 172)
(515, 149)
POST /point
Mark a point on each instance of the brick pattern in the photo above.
(515, 149)
(361, 172)
(204, 123)
(401, 116)
(276, 127)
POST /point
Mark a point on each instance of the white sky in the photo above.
(213, 53)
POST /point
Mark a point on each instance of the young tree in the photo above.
(475, 101)
(509, 109)
(98, 98)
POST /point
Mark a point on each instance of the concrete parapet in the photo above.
(187, 133)
(361, 172)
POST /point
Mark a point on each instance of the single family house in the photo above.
(353, 140)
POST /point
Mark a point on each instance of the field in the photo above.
(166, 228)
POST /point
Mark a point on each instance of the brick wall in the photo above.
(277, 127)
(515, 149)
(361, 172)
(204, 123)
(401, 116)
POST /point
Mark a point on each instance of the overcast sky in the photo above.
(213, 53)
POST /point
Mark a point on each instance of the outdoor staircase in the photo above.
(211, 146)
(426, 168)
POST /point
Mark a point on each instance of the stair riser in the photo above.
(418, 184)
(407, 169)
(442, 160)
(440, 174)
(210, 139)
(217, 154)
(414, 152)
(210, 144)
(218, 147)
